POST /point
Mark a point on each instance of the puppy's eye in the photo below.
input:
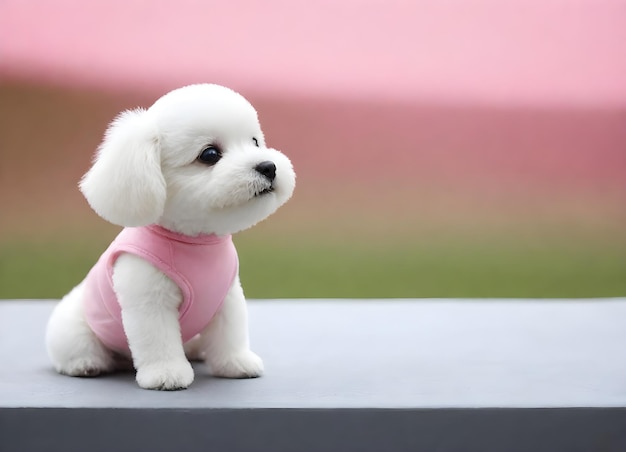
(256, 142)
(210, 155)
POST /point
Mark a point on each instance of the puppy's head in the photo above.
(195, 162)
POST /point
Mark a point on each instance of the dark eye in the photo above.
(210, 155)
(256, 142)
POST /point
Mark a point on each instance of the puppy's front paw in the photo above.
(245, 364)
(167, 376)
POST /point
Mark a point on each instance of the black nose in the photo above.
(267, 168)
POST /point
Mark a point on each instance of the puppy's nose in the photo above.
(267, 168)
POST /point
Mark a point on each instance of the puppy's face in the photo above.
(195, 162)
(220, 176)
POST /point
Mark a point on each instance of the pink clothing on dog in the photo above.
(203, 267)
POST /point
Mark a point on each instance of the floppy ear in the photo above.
(125, 185)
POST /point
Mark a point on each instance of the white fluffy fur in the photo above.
(146, 172)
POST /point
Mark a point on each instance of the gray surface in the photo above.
(393, 375)
(366, 354)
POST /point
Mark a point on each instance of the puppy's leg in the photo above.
(73, 348)
(225, 339)
(194, 350)
(150, 302)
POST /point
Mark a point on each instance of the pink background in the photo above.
(522, 52)
(448, 112)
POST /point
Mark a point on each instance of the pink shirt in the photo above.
(203, 267)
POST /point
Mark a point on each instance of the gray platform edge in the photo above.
(306, 430)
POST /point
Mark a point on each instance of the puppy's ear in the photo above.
(125, 185)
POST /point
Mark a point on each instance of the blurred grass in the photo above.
(288, 268)
(436, 270)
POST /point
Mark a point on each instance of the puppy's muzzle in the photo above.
(267, 169)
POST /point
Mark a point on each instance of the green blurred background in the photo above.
(395, 197)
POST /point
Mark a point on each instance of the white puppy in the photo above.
(181, 177)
